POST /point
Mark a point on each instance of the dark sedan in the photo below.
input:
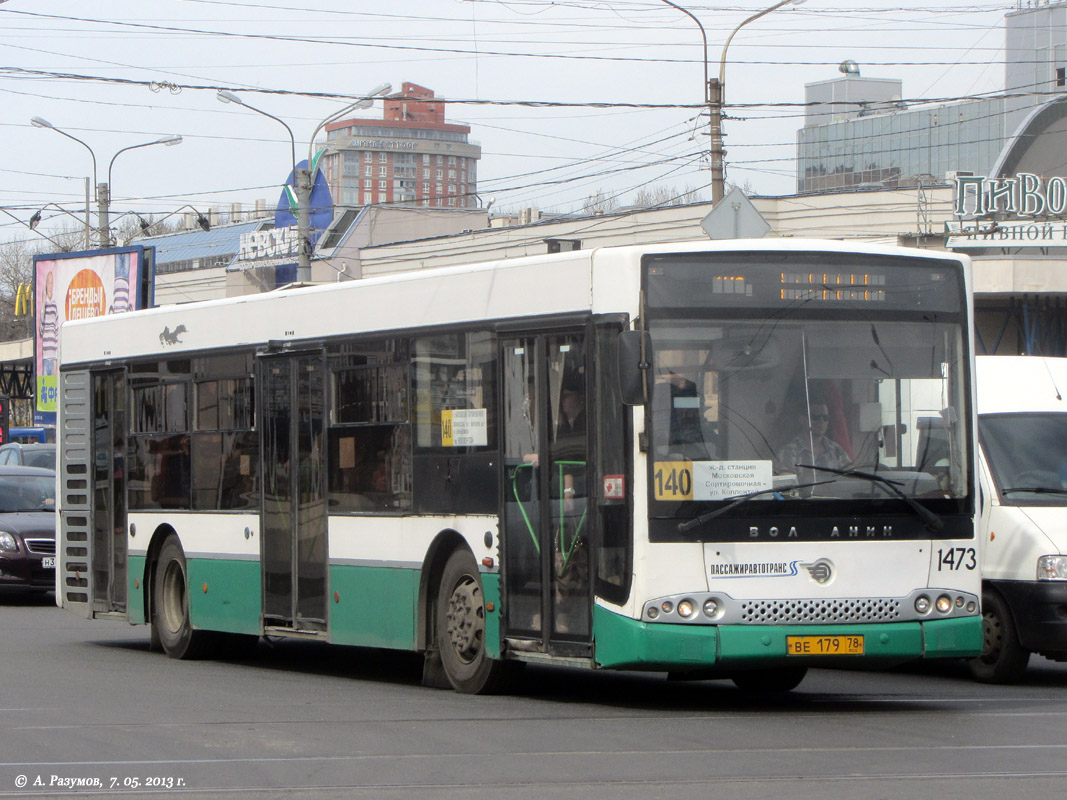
(27, 528)
(29, 455)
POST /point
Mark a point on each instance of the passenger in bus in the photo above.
(570, 555)
(813, 434)
(171, 484)
(676, 412)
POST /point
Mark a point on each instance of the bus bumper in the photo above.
(624, 643)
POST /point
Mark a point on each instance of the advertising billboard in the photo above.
(71, 286)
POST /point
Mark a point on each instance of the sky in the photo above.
(567, 98)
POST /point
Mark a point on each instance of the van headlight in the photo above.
(1052, 568)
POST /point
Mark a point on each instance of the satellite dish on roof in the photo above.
(848, 67)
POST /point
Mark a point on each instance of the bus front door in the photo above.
(294, 557)
(546, 509)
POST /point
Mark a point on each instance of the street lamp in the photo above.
(229, 97)
(103, 191)
(40, 122)
(103, 198)
(302, 177)
(304, 182)
(713, 94)
(716, 95)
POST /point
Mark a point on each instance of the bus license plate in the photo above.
(48, 562)
(824, 645)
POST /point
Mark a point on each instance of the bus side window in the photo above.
(369, 468)
(454, 423)
(369, 440)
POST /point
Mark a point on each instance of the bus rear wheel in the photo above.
(170, 617)
(460, 625)
(1003, 659)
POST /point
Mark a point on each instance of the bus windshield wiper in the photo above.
(929, 518)
(736, 501)
(1034, 489)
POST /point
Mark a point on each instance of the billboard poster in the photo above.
(70, 286)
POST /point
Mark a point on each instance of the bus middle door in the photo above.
(294, 527)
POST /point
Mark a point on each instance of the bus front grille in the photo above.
(776, 612)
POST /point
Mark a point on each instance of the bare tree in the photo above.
(662, 195)
(16, 269)
(600, 203)
(16, 263)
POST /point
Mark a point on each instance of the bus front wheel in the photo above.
(460, 626)
(170, 618)
(1003, 659)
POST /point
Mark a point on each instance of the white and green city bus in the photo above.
(699, 459)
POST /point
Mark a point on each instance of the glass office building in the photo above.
(859, 133)
(901, 148)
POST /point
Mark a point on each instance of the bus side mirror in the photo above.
(635, 363)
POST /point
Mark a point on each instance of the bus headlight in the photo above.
(653, 612)
(667, 606)
(922, 604)
(944, 604)
(686, 608)
(1052, 568)
(711, 608)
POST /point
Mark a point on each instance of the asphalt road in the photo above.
(87, 710)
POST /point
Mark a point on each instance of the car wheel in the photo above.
(1003, 658)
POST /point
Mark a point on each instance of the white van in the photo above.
(1022, 428)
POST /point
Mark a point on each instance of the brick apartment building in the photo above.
(409, 157)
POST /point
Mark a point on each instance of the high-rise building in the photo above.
(409, 157)
(860, 132)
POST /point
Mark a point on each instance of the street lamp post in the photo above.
(40, 122)
(306, 177)
(715, 98)
(103, 193)
(302, 177)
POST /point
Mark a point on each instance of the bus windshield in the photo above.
(1027, 454)
(777, 382)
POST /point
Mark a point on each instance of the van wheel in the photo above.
(1003, 659)
(770, 681)
(460, 626)
(171, 603)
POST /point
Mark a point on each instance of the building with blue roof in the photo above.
(191, 265)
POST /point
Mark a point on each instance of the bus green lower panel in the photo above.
(491, 591)
(135, 579)
(953, 638)
(626, 643)
(225, 595)
(373, 606)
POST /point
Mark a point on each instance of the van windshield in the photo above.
(1027, 454)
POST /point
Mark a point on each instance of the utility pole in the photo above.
(303, 221)
(716, 96)
(103, 216)
(717, 153)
